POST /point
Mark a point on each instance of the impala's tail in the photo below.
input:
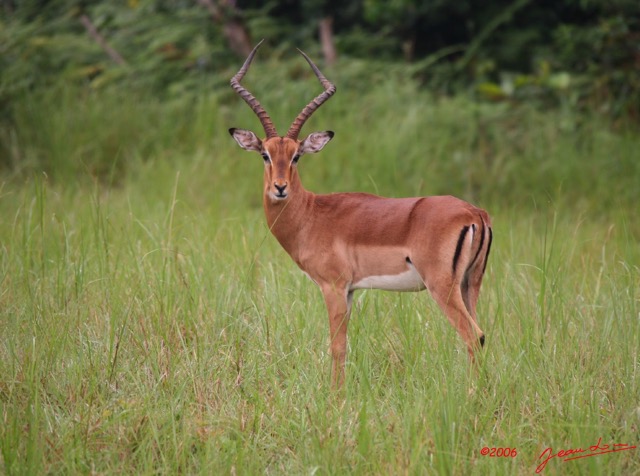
(470, 274)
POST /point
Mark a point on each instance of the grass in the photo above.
(150, 323)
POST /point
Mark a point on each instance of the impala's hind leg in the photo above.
(447, 293)
(447, 279)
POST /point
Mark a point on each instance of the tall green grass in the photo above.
(150, 323)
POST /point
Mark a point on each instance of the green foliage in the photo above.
(70, 132)
(604, 58)
(159, 47)
(175, 46)
(174, 51)
(592, 67)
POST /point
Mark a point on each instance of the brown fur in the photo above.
(341, 238)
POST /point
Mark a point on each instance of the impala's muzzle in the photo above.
(280, 189)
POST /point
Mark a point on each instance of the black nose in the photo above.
(280, 188)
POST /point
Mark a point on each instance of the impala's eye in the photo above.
(296, 158)
(265, 156)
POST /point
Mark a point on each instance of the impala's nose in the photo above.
(281, 189)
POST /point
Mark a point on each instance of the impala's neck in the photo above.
(286, 217)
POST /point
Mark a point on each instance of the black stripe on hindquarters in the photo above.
(456, 256)
(486, 258)
(481, 243)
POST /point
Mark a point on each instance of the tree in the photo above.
(225, 13)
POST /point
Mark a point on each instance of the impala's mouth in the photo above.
(280, 192)
(279, 195)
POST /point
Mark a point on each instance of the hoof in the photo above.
(482, 340)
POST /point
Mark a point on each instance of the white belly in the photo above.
(408, 280)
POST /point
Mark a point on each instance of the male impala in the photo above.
(349, 241)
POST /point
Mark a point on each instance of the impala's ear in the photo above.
(315, 142)
(246, 139)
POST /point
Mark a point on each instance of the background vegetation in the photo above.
(150, 324)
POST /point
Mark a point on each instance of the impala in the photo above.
(350, 241)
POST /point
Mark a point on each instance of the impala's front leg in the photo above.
(338, 301)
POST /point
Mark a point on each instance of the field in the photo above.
(150, 324)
